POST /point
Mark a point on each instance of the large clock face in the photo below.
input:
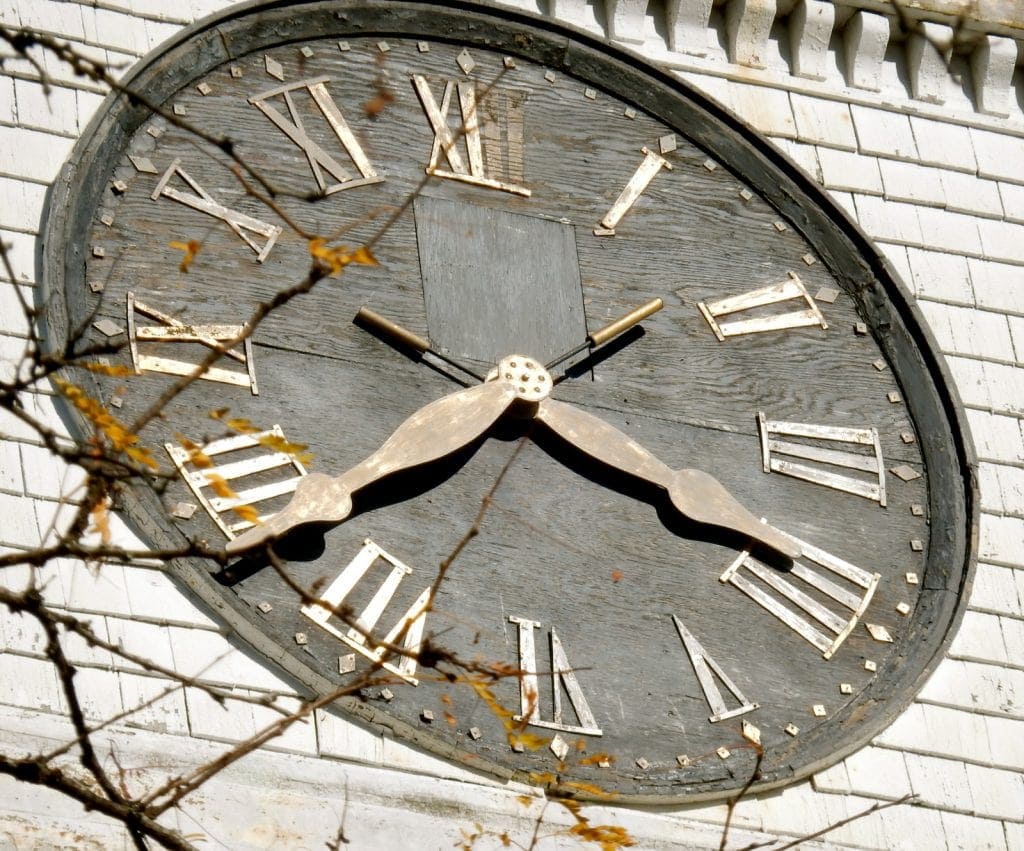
(522, 187)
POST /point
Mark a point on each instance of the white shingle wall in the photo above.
(941, 190)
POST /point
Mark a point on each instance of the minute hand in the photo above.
(695, 494)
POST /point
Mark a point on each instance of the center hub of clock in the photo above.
(527, 375)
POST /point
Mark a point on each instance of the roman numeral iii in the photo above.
(408, 629)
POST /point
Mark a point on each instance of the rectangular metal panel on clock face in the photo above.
(497, 283)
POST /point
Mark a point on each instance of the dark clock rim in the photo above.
(857, 265)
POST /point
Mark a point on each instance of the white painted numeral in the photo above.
(258, 459)
(562, 676)
(174, 330)
(319, 160)
(703, 666)
(199, 199)
(408, 630)
(483, 121)
(791, 288)
(774, 445)
(812, 591)
(652, 164)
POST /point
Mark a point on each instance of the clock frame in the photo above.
(748, 203)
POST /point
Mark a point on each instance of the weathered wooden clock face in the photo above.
(570, 184)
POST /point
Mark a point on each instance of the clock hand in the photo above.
(695, 494)
(611, 330)
(387, 328)
(434, 431)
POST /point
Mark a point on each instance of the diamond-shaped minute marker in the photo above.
(827, 295)
(184, 510)
(108, 327)
(667, 143)
(143, 165)
(465, 62)
(905, 472)
(273, 67)
(879, 632)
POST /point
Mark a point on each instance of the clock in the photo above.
(630, 464)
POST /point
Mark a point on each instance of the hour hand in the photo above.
(395, 333)
(436, 430)
(697, 495)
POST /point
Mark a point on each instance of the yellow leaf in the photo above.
(190, 249)
(195, 452)
(100, 518)
(590, 789)
(241, 424)
(279, 444)
(546, 778)
(116, 370)
(610, 837)
(141, 455)
(364, 257)
(530, 741)
(247, 513)
(338, 257)
(105, 424)
(597, 758)
(219, 485)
